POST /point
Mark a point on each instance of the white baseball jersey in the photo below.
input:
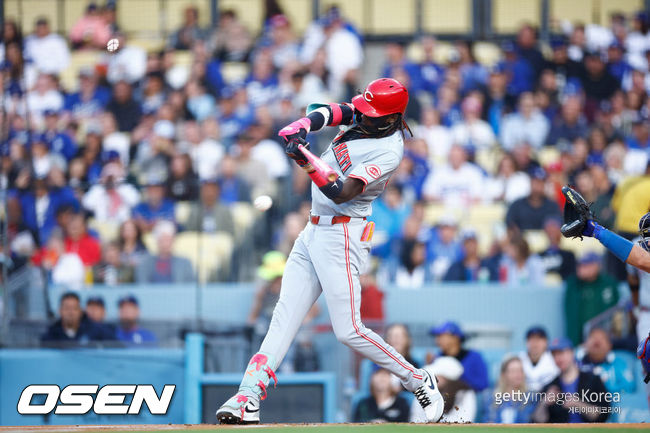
(371, 160)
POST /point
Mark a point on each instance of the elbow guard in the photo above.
(332, 190)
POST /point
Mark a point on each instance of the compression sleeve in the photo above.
(618, 245)
(333, 114)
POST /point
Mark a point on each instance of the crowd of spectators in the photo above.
(141, 133)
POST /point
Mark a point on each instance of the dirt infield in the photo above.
(331, 428)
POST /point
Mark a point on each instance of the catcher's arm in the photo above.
(639, 258)
(579, 221)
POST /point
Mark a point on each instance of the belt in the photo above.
(330, 220)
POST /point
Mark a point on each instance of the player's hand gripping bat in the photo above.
(317, 169)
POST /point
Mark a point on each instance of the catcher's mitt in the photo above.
(576, 213)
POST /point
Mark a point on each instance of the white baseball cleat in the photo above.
(429, 397)
(239, 409)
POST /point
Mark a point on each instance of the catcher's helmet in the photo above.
(644, 231)
(382, 97)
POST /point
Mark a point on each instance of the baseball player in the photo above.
(639, 282)
(332, 250)
(579, 222)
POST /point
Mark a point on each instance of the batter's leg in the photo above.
(338, 255)
(300, 289)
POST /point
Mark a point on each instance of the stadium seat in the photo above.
(78, 60)
(487, 212)
(234, 72)
(440, 54)
(174, 13)
(509, 15)
(150, 242)
(299, 13)
(489, 159)
(243, 216)
(485, 233)
(27, 13)
(183, 58)
(150, 45)
(182, 212)
(552, 280)
(487, 53)
(72, 11)
(607, 7)
(537, 240)
(450, 17)
(580, 248)
(572, 11)
(433, 213)
(250, 13)
(141, 17)
(353, 11)
(107, 230)
(548, 155)
(400, 20)
(208, 252)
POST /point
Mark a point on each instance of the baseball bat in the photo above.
(319, 165)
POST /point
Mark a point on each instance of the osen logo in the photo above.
(107, 400)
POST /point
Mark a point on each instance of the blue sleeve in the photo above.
(475, 374)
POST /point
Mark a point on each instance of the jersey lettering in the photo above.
(342, 156)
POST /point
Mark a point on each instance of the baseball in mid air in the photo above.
(112, 45)
(263, 203)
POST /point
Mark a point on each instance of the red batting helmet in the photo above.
(382, 97)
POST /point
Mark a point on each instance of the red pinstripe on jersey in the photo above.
(354, 321)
